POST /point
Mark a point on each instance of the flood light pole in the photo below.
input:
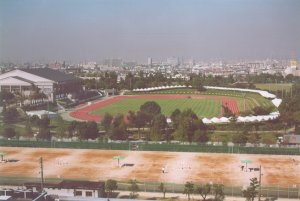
(42, 174)
(259, 194)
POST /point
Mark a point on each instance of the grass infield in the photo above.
(202, 107)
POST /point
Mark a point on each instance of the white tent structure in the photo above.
(277, 102)
(206, 121)
(215, 120)
(224, 120)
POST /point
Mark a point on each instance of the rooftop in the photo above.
(50, 74)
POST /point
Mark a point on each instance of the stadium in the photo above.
(208, 105)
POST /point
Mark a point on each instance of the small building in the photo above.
(291, 139)
(68, 188)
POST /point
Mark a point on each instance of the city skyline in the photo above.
(135, 30)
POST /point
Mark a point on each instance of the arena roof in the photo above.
(50, 74)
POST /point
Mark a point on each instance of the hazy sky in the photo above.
(76, 30)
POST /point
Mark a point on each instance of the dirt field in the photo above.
(147, 166)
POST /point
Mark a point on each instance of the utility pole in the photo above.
(259, 193)
(42, 174)
(244, 102)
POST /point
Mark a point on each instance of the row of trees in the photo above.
(216, 190)
(290, 108)
(186, 126)
(204, 190)
(105, 80)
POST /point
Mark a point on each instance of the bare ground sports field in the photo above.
(147, 166)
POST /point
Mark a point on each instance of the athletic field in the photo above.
(203, 106)
(147, 166)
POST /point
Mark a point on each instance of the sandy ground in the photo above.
(147, 166)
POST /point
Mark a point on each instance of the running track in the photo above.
(84, 113)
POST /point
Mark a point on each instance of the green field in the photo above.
(275, 86)
(202, 107)
(252, 100)
(246, 101)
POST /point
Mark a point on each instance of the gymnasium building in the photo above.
(53, 83)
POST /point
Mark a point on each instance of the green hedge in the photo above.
(152, 147)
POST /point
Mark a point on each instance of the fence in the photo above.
(154, 147)
(276, 191)
(291, 191)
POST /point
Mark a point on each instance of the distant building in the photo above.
(293, 69)
(149, 61)
(173, 61)
(291, 139)
(52, 83)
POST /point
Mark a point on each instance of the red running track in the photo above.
(231, 104)
(84, 113)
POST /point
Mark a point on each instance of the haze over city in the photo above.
(134, 30)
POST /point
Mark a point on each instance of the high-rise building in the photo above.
(149, 61)
(173, 61)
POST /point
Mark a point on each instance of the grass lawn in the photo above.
(251, 99)
(275, 86)
(202, 107)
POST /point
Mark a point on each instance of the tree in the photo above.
(106, 121)
(158, 125)
(71, 128)
(175, 116)
(162, 189)
(227, 111)
(188, 124)
(240, 138)
(11, 115)
(204, 190)
(81, 130)
(28, 129)
(133, 188)
(137, 119)
(37, 94)
(34, 120)
(218, 191)
(44, 130)
(92, 130)
(110, 186)
(188, 189)
(150, 108)
(197, 84)
(201, 136)
(251, 192)
(61, 128)
(6, 97)
(9, 132)
(118, 128)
